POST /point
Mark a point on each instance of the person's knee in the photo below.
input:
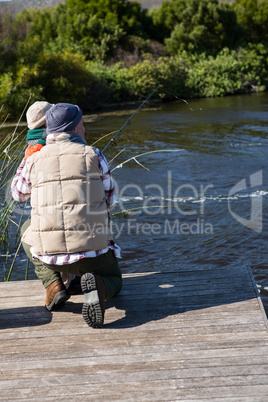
(118, 285)
(25, 226)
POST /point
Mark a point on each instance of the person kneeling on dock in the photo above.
(71, 192)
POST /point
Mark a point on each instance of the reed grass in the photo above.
(135, 158)
(11, 150)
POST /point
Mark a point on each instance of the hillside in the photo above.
(15, 6)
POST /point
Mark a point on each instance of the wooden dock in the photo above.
(176, 336)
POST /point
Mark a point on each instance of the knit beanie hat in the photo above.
(36, 114)
(63, 117)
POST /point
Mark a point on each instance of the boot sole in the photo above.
(58, 300)
(91, 310)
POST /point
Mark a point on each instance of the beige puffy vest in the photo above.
(69, 211)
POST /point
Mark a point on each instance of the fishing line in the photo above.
(183, 100)
(112, 142)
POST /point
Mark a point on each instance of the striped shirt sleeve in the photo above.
(21, 186)
(107, 179)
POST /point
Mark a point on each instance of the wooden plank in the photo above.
(148, 391)
(127, 362)
(196, 335)
(147, 338)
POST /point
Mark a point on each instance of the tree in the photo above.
(197, 25)
(252, 15)
(10, 34)
(94, 28)
(128, 15)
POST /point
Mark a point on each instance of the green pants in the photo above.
(105, 265)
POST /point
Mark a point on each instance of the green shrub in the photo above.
(58, 78)
(210, 76)
(6, 84)
(254, 66)
(252, 16)
(197, 25)
(68, 77)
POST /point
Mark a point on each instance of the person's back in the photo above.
(71, 213)
(71, 190)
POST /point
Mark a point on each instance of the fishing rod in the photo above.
(127, 122)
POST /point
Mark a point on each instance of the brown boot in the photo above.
(94, 306)
(56, 295)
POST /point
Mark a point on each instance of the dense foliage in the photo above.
(252, 16)
(195, 25)
(93, 52)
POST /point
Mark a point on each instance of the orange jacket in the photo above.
(31, 149)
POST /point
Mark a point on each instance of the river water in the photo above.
(201, 201)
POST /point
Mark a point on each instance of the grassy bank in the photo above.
(187, 75)
(97, 52)
(94, 84)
